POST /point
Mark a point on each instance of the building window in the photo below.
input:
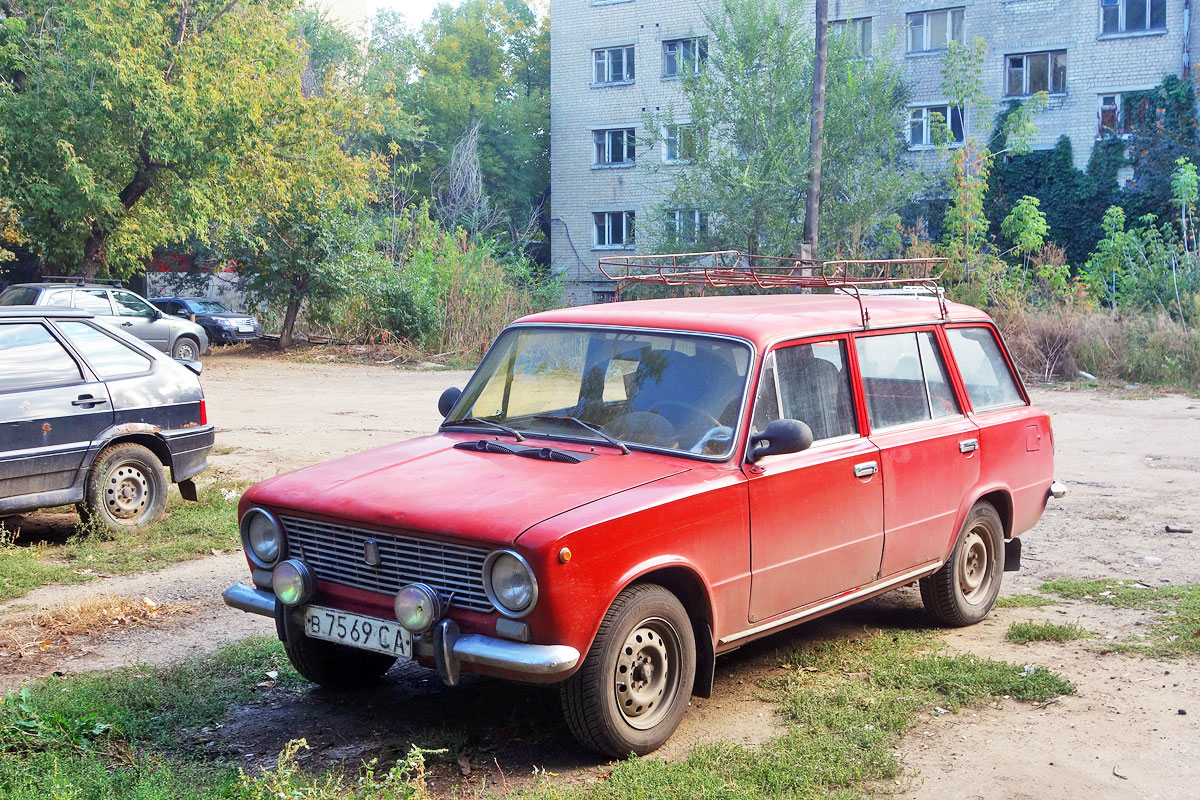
(1112, 120)
(687, 225)
(859, 31)
(614, 148)
(1131, 16)
(684, 57)
(934, 30)
(1036, 72)
(612, 229)
(612, 65)
(922, 127)
(679, 144)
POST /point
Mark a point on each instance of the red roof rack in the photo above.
(731, 268)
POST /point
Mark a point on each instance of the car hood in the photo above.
(428, 485)
(224, 315)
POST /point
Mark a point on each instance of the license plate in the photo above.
(356, 630)
(245, 329)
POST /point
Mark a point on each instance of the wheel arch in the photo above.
(1000, 499)
(689, 587)
(122, 435)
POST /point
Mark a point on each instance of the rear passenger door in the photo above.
(49, 411)
(928, 447)
(816, 517)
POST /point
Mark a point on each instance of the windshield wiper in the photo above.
(494, 425)
(614, 442)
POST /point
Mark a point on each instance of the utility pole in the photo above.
(808, 247)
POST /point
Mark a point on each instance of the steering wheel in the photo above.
(688, 419)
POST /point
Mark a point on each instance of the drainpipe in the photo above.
(1187, 37)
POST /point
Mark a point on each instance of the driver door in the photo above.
(816, 517)
(140, 319)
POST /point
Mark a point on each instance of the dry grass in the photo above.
(52, 628)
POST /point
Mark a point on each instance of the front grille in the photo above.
(335, 553)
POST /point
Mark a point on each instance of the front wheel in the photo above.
(126, 488)
(634, 685)
(964, 590)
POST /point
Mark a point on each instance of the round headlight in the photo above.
(509, 583)
(293, 582)
(262, 537)
(418, 607)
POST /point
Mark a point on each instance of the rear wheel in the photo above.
(633, 687)
(125, 489)
(333, 666)
(964, 590)
(186, 349)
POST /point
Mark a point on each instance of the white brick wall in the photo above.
(1095, 65)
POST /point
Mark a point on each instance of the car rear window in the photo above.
(108, 357)
(19, 296)
(989, 381)
(904, 379)
(33, 359)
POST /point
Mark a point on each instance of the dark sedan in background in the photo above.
(92, 416)
(222, 325)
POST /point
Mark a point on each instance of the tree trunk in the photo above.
(289, 320)
(812, 203)
(95, 253)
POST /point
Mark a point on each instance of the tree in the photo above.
(749, 110)
(126, 125)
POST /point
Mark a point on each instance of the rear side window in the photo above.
(808, 382)
(108, 357)
(30, 358)
(989, 381)
(904, 379)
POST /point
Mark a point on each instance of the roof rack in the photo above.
(722, 269)
(79, 281)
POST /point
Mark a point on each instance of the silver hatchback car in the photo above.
(180, 338)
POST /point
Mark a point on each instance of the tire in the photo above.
(964, 590)
(333, 666)
(126, 488)
(185, 349)
(648, 634)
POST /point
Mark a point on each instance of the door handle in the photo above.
(968, 445)
(88, 400)
(866, 469)
(126, 324)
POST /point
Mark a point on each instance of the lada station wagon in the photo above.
(623, 492)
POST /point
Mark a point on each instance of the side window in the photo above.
(990, 383)
(61, 298)
(904, 380)
(808, 382)
(33, 359)
(92, 300)
(129, 304)
(108, 357)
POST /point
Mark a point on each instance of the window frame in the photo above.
(1050, 59)
(675, 133)
(628, 63)
(84, 370)
(698, 222)
(1122, 7)
(850, 366)
(927, 125)
(926, 45)
(628, 147)
(949, 366)
(698, 58)
(864, 38)
(628, 229)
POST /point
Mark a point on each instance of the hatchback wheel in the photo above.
(125, 489)
(634, 685)
(964, 590)
(186, 349)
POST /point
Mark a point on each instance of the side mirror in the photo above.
(781, 436)
(184, 313)
(448, 399)
(158, 314)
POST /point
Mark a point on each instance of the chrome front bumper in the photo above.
(444, 644)
(1058, 490)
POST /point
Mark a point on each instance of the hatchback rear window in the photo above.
(19, 296)
(989, 381)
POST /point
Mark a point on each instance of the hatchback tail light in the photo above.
(203, 413)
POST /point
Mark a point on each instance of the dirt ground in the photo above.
(1129, 458)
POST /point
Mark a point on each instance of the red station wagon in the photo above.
(625, 491)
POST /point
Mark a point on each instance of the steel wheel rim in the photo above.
(975, 566)
(646, 676)
(127, 492)
(185, 351)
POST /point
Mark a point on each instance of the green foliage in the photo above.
(750, 107)
(1025, 632)
(1025, 226)
(1174, 631)
(166, 124)
(1024, 601)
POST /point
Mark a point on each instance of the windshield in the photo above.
(670, 391)
(206, 307)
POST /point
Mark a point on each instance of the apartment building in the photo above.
(614, 62)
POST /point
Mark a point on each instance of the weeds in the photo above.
(1025, 601)
(1174, 631)
(1026, 632)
